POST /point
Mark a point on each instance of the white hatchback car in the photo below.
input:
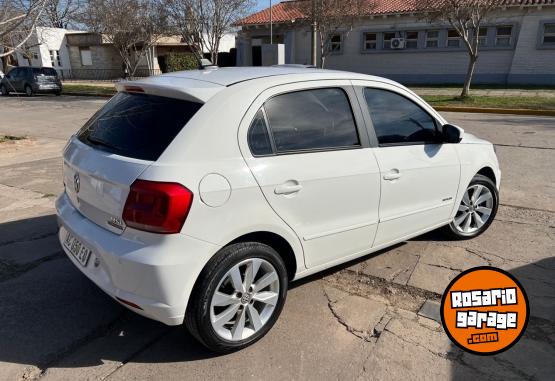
(197, 196)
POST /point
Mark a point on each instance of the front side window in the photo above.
(258, 138)
(549, 34)
(453, 39)
(432, 39)
(315, 119)
(398, 121)
(503, 35)
(370, 41)
(411, 40)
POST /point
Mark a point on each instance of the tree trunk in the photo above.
(469, 75)
(314, 48)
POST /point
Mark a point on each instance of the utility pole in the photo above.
(314, 39)
(271, 25)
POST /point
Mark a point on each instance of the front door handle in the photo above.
(394, 174)
(288, 187)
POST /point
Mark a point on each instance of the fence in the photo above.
(107, 75)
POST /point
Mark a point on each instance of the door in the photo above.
(315, 168)
(257, 56)
(419, 174)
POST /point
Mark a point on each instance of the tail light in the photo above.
(157, 207)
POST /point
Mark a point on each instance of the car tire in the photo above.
(224, 314)
(4, 90)
(29, 91)
(57, 93)
(476, 211)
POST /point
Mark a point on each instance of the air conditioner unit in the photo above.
(397, 43)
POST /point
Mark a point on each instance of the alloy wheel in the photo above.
(475, 209)
(245, 299)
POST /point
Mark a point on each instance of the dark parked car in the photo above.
(31, 80)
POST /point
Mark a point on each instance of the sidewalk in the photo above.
(455, 92)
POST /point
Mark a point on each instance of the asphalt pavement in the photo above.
(374, 318)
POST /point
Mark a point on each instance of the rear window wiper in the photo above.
(100, 142)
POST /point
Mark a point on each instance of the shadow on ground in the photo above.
(533, 357)
(50, 310)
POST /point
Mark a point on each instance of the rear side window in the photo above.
(397, 120)
(139, 126)
(258, 137)
(312, 120)
(45, 71)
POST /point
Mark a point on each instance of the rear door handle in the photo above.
(288, 187)
(394, 174)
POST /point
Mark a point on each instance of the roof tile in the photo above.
(289, 10)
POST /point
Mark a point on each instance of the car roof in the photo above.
(201, 85)
(230, 76)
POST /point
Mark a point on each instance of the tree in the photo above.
(330, 19)
(61, 13)
(131, 26)
(203, 23)
(18, 21)
(466, 17)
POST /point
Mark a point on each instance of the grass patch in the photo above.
(9, 138)
(527, 103)
(77, 89)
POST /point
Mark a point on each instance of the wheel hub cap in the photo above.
(245, 299)
(475, 209)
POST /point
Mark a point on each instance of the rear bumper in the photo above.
(47, 88)
(155, 272)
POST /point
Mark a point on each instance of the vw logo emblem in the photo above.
(76, 182)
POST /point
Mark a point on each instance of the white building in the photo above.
(517, 44)
(47, 47)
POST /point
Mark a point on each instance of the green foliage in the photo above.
(181, 61)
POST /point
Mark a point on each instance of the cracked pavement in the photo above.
(373, 318)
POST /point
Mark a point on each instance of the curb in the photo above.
(479, 110)
(88, 94)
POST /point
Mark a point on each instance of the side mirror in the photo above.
(452, 134)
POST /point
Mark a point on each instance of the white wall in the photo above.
(523, 61)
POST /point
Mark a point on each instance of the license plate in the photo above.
(77, 249)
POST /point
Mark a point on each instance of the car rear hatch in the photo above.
(117, 144)
(45, 75)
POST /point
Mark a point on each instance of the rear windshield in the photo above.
(44, 71)
(139, 126)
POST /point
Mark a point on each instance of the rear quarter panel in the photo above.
(208, 145)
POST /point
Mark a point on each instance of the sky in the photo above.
(261, 4)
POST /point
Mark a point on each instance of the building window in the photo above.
(387, 37)
(432, 39)
(483, 37)
(411, 40)
(35, 56)
(453, 39)
(370, 41)
(549, 34)
(335, 43)
(86, 57)
(55, 59)
(503, 35)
